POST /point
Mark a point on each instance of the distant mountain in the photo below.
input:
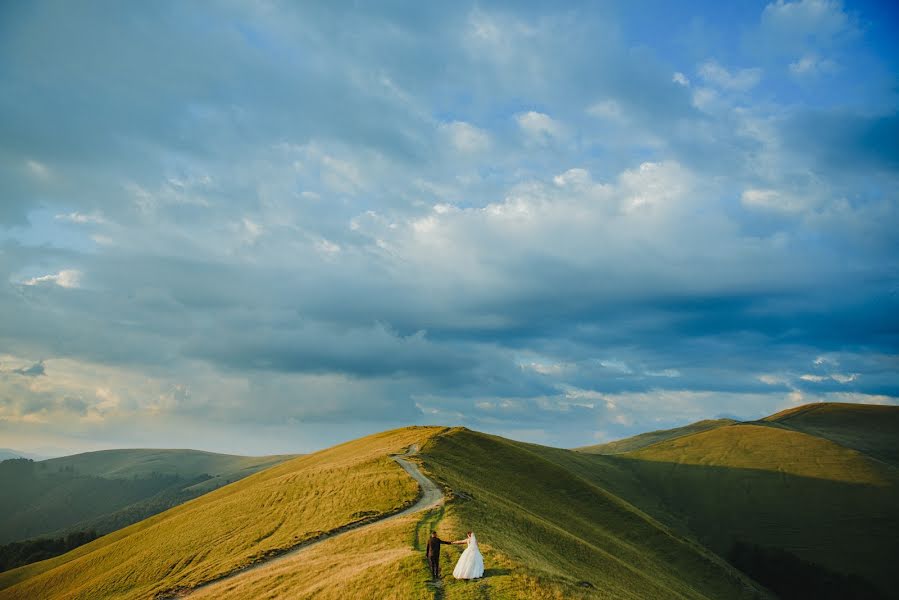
(8, 453)
(653, 437)
(109, 489)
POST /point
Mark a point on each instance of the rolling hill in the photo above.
(547, 532)
(653, 437)
(870, 429)
(656, 522)
(779, 489)
(106, 490)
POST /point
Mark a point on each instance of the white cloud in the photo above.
(80, 218)
(607, 109)
(810, 65)
(773, 379)
(821, 20)
(740, 81)
(38, 169)
(813, 378)
(772, 200)
(680, 79)
(616, 365)
(826, 360)
(547, 368)
(664, 373)
(68, 278)
(327, 248)
(539, 127)
(842, 378)
(577, 178)
(465, 137)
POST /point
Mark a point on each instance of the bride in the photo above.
(471, 563)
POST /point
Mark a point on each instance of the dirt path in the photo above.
(431, 496)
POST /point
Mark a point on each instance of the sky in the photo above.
(259, 227)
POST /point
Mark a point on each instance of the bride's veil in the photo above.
(474, 541)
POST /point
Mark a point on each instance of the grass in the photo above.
(872, 430)
(232, 527)
(111, 489)
(548, 532)
(778, 488)
(551, 523)
(653, 437)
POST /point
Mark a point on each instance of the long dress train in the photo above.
(471, 563)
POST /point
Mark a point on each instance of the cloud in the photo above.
(67, 278)
(466, 138)
(457, 214)
(819, 20)
(810, 65)
(741, 80)
(79, 218)
(772, 200)
(540, 128)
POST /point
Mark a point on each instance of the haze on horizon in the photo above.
(264, 227)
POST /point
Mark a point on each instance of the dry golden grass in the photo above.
(232, 527)
(378, 561)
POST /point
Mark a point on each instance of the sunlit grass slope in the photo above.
(653, 437)
(108, 490)
(779, 488)
(550, 532)
(231, 527)
(873, 430)
(382, 561)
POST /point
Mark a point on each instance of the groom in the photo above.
(433, 554)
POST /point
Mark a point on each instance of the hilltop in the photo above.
(656, 522)
(653, 437)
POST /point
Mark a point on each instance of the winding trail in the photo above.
(430, 496)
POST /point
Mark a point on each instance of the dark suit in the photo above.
(433, 554)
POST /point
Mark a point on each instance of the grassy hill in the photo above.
(233, 526)
(781, 489)
(872, 430)
(110, 489)
(653, 437)
(547, 533)
(652, 523)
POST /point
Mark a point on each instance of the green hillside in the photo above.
(780, 489)
(653, 437)
(110, 489)
(873, 430)
(566, 535)
(547, 532)
(657, 522)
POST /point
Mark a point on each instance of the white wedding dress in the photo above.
(471, 563)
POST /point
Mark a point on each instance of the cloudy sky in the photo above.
(267, 227)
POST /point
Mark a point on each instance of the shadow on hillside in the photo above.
(844, 527)
(496, 572)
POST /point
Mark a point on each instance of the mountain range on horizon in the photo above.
(706, 511)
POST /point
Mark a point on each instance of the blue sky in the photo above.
(268, 227)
